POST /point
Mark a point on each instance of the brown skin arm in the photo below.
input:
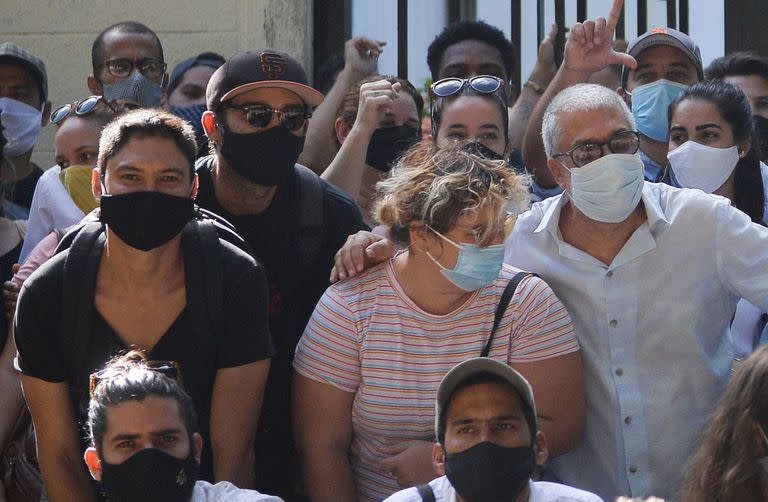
(235, 409)
(558, 384)
(322, 425)
(58, 444)
(11, 399)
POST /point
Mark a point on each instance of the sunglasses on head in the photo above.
(484, 84)
(169, 369)
(88, 105)
(260, 116)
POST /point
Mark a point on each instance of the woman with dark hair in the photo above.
(378, 120)
(732, 462)
(717, 119)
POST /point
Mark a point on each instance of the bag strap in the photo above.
(310, 216)
(78, 288)
(506, 297)
(426, 492)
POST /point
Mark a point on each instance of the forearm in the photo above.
(328, 474)
(346, 170)
(11, 398)
(320, 145)
(234, 464)
(533, 147)
(65, 477)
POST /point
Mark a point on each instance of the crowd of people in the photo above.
(231, 286)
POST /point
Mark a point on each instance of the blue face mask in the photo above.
(649, 107)
(194, 115)
(135, 88)
(475, 267)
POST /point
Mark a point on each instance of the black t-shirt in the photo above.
(45, 351)
(274, 235)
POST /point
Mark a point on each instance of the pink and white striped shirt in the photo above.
(368, 338)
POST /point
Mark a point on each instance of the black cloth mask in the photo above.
(761, 131)
(266, 158)
(146, 220)
(150, 475)
(388, 144)
(487, 472)
(481, 150)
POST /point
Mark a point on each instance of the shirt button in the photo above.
(619, 371)
(614, 323)
(632, 469)
(609, 273)
(628, 420)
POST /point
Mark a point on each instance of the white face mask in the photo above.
(701, 166)
(608, 189)
(22, 126)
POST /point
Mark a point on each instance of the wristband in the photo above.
(537, 88)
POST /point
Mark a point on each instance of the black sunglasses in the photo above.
(260, 116)
(484, 84)
(170, 369)
(88, 105)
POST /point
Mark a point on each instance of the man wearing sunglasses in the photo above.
(128, 65)
(259, 106)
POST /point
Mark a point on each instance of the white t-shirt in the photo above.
(541, 491)
(227, 492)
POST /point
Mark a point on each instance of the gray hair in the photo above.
(579, 97)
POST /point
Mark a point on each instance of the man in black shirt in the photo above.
(142, 284)
(259, 104)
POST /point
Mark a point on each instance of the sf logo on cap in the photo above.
(273, 65)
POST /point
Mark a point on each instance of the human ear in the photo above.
(744, 147)
(46, 114)
(96, 183)
(94, 85)
(211, 126)
(341, 129)
(91, 457)
(438, 458)
(625, 95)
(558, 172)
(197, 446)
(540, 448)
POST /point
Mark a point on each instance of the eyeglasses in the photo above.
(484, 84)
(627, 142)
(88, 105)
(260, 116)
(168, 368)
(121, 68)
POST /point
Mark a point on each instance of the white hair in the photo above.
(579, 97)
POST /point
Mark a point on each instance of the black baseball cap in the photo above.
(665, 36)
(264, 68)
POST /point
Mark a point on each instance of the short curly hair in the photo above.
(738, 63)
(436, 187)
(470, 30)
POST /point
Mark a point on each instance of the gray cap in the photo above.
(664, 36)
(32, 63)
(471, 367)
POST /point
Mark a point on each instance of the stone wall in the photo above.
(61, 32)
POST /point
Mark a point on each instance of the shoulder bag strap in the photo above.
(506, 297)
(426, 492)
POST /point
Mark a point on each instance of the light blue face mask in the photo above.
(649, 107)
(136, 88)
(475, 267)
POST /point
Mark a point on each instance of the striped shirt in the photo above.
(368, 338)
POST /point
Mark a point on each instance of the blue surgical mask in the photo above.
(475, 267)
(608, 189)
(649, 107)
(136, 88)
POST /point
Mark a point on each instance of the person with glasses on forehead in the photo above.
(377, 345)
(146, 271)
(259, 107)
(143, 436)
(128, 65)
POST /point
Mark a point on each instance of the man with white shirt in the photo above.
(650, 275)
(488, 441)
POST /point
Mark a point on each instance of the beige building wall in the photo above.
(61, 32)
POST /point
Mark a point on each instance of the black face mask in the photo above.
(488, 472)
(481, 150)
(761, 131)
(146, 220)
(150, 476)
(266, 158)
(387, 144)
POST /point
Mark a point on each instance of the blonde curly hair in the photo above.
(435, 187)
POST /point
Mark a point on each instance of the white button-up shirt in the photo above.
(653, 328)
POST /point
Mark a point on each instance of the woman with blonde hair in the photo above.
(732, 463)
(377, 345)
